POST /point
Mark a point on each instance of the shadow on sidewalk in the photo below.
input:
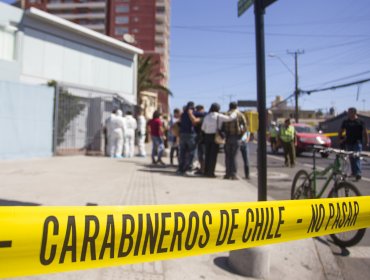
(223, 263)
(4, 202)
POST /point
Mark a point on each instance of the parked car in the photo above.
(308, 136)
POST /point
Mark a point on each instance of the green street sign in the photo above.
(243, 5)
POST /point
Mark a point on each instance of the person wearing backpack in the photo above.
(234, 131)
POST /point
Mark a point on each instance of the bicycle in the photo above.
(304, 186)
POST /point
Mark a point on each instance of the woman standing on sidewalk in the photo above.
(155, 128)
(211, 123)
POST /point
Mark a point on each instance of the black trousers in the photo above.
(210, 155)
(231, 150)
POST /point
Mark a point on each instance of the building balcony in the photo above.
(95, 27)
(72, 6)
(82, 16)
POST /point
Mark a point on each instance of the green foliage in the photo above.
(69, 107)
(147, 78)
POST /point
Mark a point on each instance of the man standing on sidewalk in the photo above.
(356, 137)
(288, 139)
(234, 131)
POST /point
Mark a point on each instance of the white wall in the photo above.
(26, 120)
(50, 57)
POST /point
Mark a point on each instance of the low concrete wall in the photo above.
(26, 120)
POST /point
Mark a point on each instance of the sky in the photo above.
(213, 52)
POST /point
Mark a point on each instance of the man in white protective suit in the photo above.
(141, 132)
(130, 127)
(118, 126)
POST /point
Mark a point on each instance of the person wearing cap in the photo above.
(288, 138)
(355, 140)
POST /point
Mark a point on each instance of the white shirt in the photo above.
(209, 125)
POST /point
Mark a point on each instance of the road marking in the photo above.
(275, 157)
(272, 175)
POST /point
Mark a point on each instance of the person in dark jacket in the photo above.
(355, 140)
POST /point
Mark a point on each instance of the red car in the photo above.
(308, 136)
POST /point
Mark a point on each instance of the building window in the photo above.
(121, 19)
(122, 9)
(161, 9)
(7, 43)
(135, 30)
(136, 19)
(120, 30)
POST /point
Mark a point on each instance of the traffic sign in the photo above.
(247, 103)
(243, 5)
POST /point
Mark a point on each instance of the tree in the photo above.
(148, 78)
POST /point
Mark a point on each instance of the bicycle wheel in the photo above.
(348, 238)
(301, 187)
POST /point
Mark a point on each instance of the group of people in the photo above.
(121, 132)
(192, 135)
(352, 135)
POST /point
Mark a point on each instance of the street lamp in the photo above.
(295, 75)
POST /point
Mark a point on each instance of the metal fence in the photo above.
(79, 119)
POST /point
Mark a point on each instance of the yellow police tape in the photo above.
(37, 240)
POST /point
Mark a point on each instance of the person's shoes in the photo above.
(198, 172)
(247, 177)
(161, 162)
(226, 177)
(358, 177)
(180, 173)
(234, 177)
(211, 176)
(188, 173)
(286, 164)
(292, 165)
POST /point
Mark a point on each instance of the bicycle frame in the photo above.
(335, 167)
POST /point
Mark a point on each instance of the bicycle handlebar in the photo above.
(321, 149)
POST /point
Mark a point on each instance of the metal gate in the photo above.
(79, 119)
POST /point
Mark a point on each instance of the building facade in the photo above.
(88, 75)
(147, 21)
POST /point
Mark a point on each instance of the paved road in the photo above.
(354, 261)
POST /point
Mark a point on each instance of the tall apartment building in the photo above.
(148, 21)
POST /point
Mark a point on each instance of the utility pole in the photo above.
(296, 90)
(230, 96)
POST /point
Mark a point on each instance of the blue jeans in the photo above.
(158, 147)
(355, 161)
(244, 149)
(187, 151)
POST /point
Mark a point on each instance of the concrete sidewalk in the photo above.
(83, 180)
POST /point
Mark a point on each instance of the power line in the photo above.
(335, 87)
